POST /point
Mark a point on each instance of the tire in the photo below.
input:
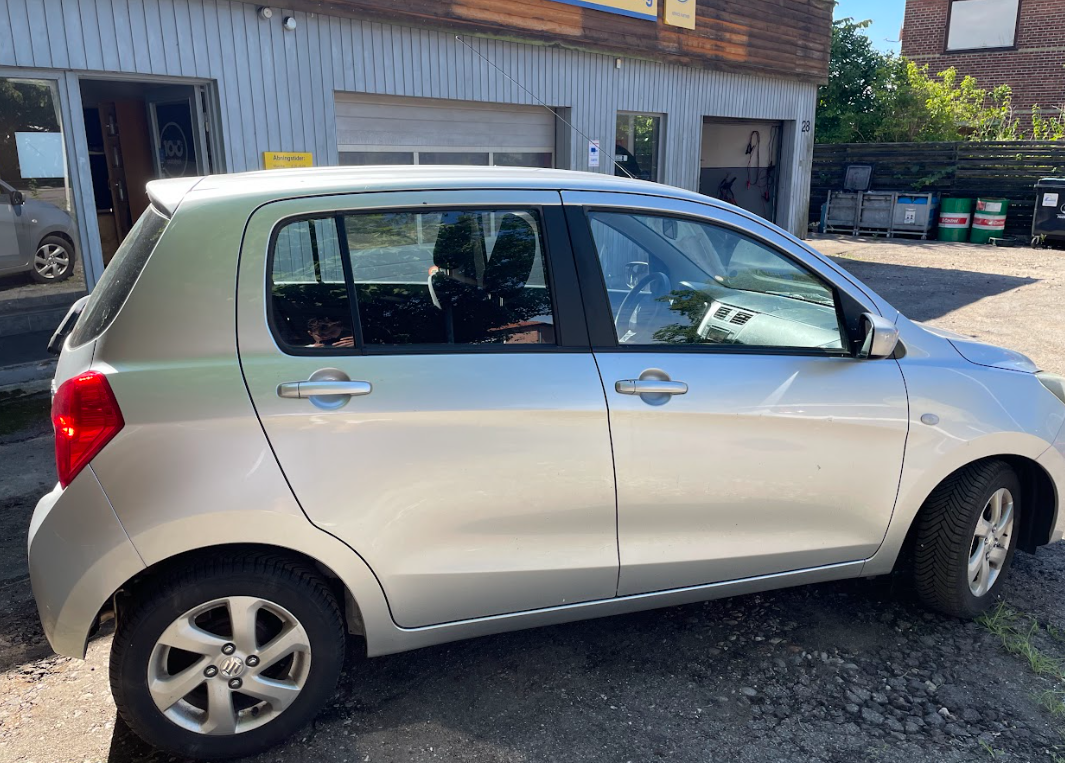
(183, 608)
(947, 540)
(53, 261)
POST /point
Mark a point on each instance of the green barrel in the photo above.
(989, 221)
(954, 218)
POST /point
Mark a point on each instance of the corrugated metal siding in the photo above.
(276, 88)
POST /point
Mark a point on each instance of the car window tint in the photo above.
(459, 277)
(677, 281)
(117, 281)
(309, 298)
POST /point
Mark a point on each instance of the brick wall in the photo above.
(1035, 70)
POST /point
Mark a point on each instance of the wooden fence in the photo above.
(999, 169)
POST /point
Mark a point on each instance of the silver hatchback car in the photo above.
(35, 237)
(422, 404)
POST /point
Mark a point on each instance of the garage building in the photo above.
(100, 96)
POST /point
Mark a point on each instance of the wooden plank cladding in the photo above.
(968, 169)
(779, 38)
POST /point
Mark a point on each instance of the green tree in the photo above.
(876, 97)
(917, 106)
(1046, 127)
(848, 107)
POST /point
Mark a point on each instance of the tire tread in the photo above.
(943, 533)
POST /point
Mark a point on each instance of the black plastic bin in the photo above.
(1049, 217)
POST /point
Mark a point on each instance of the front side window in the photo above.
(675, 281)
(982, 24)
(416, 278)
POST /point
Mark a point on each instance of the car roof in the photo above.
(267, 185)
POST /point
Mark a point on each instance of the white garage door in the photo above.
(376, 129)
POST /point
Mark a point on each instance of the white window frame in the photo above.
(966, 47)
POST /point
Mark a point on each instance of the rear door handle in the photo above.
(307, 389)
(650, 387)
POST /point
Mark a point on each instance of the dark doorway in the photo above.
(138, 132)
(739, 163)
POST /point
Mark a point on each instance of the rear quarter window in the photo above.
(114, 288)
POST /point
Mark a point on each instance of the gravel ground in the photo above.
(837, 673)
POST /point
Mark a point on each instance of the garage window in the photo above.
(388, 129)
(365, 158)
(637, 146)
(982, 24)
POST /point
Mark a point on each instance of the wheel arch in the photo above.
(352, 613)
(58, 233)
(1038, 497)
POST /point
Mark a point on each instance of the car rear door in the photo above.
(747, 439)
(420, 365)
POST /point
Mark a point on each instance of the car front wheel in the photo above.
(966, 536)
(227, 657)
(53, 261)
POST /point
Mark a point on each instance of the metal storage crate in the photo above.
(915, 214)
(875, 212)
(841, 216)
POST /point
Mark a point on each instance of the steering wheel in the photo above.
(628, 305)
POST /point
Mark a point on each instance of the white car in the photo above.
(420, 404)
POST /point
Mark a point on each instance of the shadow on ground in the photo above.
(924, 293)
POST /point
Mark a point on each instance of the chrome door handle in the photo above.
(650, 387)
(306, 389)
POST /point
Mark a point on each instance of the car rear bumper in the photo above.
(79, 555)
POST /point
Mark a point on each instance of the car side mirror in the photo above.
(880, 337)
(17, 198)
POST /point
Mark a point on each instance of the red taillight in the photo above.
(85, 417)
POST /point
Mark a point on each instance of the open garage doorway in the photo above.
(739, 163)
(137, 132)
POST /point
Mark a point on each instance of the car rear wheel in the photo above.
(966, 537)
(227, 657)
(53, 261)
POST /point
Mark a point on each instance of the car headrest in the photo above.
(512, 257)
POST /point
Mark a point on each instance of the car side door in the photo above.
(748, 439)
(421, 367)
(11, 255)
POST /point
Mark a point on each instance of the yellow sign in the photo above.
(274, 160)
(640, 9)
(681, 13)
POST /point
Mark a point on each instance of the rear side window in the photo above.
(117, 282)
(411, 279)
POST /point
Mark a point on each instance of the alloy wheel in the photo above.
(229, 665)
(51, 260)
(991, 542)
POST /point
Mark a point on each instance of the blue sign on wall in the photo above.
(639, 9)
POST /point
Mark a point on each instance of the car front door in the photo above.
(11, 258)
(748, 440)
(421, 367)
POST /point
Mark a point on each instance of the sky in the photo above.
(886, 16)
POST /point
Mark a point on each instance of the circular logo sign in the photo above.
(173, 150)
(232, 666)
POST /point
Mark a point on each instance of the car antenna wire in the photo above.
(538, 100)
